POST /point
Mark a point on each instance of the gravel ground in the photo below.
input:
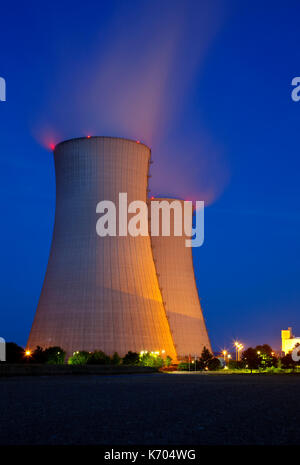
(150, 409)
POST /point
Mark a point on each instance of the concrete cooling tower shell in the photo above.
(99, 293)
(174, 266)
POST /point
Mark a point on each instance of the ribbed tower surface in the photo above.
(99, 293)
(174, 265)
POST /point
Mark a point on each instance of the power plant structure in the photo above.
(113, 293)
(174, 266)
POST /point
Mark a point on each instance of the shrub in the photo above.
(79, 358)
(236, 365)
(170, 368)
(98, 358)
(214, 364)
(274, 370)
(131, 358)
(183, 366)
(150, 359)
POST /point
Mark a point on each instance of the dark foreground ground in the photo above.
(150, 409)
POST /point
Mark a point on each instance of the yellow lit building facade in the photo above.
(288, 340)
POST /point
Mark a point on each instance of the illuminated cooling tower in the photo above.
(99, 293)
(174, 266)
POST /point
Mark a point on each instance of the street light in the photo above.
(238, 348)
(225, 354)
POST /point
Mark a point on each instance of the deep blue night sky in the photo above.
(206, 84)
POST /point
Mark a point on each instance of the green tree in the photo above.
(98, 358)
(214, 364)
(206, 357)
(251, 359)
(79, 358)
(287, 362)
(264, 349)
(116, 359)
(54, 355)
(38, 356)
(131, 358)
(14, 353)
(266, 356)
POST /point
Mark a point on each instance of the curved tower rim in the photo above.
(73, 139)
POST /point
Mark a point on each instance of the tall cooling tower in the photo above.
(175, 270)
(99, 292)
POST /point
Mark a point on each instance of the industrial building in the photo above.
(103, 293)
(288, 341)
